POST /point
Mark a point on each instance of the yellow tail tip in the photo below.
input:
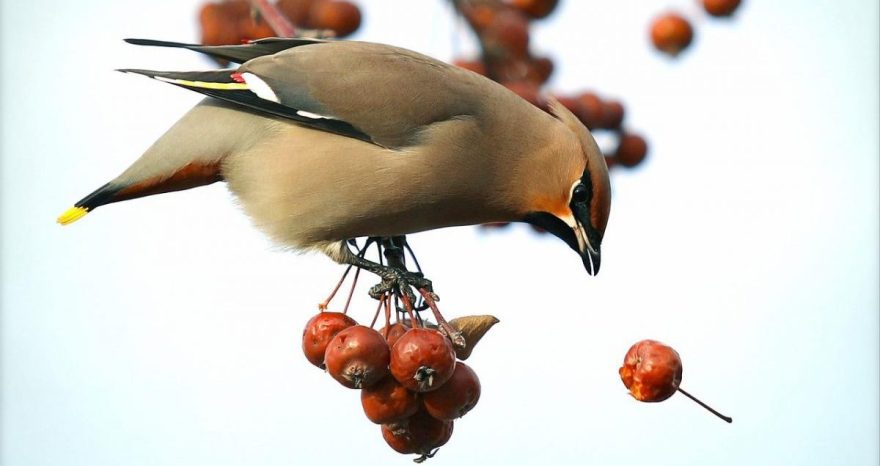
(72, 214)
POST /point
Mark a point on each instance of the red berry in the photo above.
(422, 359)
(612, 114)
(720, 8)
(507, 35)
(217, 26)
(297, 11)
(254, 28)
(388, 401)
(590, 110)
(394, 333)
(472, 65)
(610, 161)
(540, 70)
(651, 371)
(671, 33)
(319, 330)
(357, 357)
(419, 434)
(456, 397)
(528, 91)
(535, 8)
(573, 104)
(341, 17)
(479, 16)
(631, 150)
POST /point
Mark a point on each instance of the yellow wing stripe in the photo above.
(72, 214)
(207, 85)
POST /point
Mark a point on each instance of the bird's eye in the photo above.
(579, 194)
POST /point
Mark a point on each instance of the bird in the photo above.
(326, 141)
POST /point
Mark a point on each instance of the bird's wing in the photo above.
(230, 86)
(377, 93)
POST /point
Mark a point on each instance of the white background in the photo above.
(166, 330)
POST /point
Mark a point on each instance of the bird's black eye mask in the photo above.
(581, 195)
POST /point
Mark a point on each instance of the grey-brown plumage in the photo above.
(327, 141)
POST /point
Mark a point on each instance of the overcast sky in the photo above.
(166, 330)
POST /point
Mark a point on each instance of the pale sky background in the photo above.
(166, 331)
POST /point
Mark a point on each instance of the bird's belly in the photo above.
(311, 188)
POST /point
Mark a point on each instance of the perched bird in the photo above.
(326, 141)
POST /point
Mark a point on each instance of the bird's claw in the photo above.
(402, 281)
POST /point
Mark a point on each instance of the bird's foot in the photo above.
(403, 281)
(397, 280)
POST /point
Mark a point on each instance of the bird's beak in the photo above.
(587, 240)
(589, 254)
(575, 230)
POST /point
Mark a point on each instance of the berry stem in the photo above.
(376, 315)
(407, 304)
(709, 408)
(354, 283)
(450, 331)
(279, 23)
(386, 301)
(323, 305)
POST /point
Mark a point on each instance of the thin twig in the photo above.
(276, 19)
(709, 408)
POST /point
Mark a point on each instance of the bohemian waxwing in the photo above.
(326, 141)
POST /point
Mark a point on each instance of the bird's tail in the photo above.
(99, 197)
(189, 176)
(188, 155)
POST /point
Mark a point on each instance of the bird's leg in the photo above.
(397, 280)
(395, 277)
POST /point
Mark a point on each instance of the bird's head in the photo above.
(577, 210)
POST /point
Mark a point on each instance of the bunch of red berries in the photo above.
(230, 22)
(410, 381)
(502, 28)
